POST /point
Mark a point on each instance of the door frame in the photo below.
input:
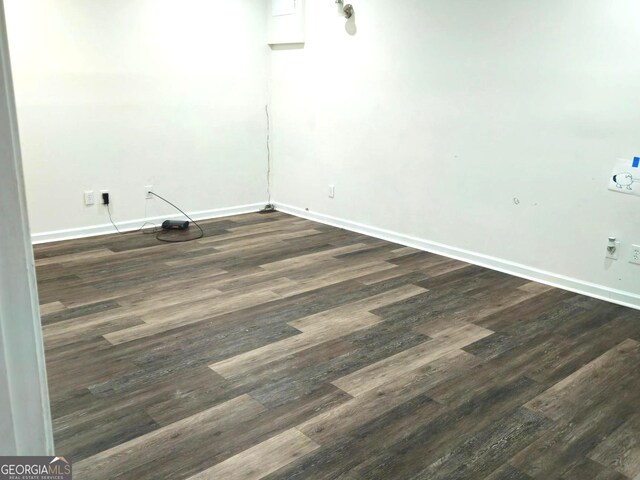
(25, 418)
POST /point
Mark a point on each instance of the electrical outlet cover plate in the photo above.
(614, 255)
(332, 191)
(147, 189)
(635, 254)
(89, 197)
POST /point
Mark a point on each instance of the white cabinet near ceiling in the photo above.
(286, 22)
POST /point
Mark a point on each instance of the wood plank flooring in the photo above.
(279, 348)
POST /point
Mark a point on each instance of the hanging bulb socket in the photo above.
(346, 10)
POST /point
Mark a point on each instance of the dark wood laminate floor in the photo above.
(280, 348)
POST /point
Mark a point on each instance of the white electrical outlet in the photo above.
(635, 254)
(332, 191)
(101, 199)
(147, 191)
(89, 197)
(613, 249)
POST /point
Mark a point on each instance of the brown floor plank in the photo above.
(166, 442)
(262, 459)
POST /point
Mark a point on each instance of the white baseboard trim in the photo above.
(133, 225)
(620, 297)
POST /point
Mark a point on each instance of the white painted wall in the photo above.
(436, 114)
(25, 420)
(121, 94)
(429, 116)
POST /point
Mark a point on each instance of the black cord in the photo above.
(156, 229)
(111, 220)
(159, 235)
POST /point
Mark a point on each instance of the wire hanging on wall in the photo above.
(269, 207)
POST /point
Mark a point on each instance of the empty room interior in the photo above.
(320, 239)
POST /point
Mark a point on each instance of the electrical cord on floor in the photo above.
(162, 238)
(156, 229)
(153, 230)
